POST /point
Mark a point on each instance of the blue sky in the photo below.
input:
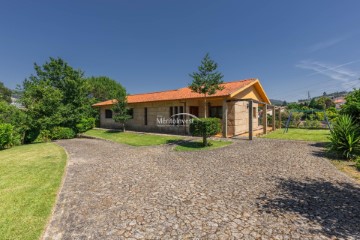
(291, 46)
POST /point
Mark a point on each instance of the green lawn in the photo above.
(30, 176)
(316, 135)
(197, 145)
(130, 138)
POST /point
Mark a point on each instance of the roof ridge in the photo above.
(243, 80)
(155, 92)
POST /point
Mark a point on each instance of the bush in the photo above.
(312, 124)
(6, 135)
(44, 136)
(205, 127)
(62, 133)
(352, 105)
(85, 124)
(17, 118)
(296, 119)
(345, 137)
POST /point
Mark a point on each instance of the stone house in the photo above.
(151, 111)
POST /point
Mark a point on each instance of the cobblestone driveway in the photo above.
(265, 189)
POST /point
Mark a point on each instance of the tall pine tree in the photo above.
(207, 80)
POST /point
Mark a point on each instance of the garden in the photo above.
(55, 103)
(52, 104)
(310, 123)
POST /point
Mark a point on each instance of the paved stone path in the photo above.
(264, 189)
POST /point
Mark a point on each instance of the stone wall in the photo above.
(156, 110)
(238, 116)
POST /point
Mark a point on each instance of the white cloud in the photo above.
(335, 72)
(327, 43)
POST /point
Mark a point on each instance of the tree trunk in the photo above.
(205, 143)
(123, 126)
(205, 107)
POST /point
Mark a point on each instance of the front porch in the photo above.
(242, 118)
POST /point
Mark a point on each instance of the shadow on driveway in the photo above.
(335, 207)
(322, 151)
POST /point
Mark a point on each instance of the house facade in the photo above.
(151, 111)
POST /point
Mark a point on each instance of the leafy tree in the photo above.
(120, 109)
(295, 106)
(104, 88)
(207, 80)
(352, 105)
(5, 93)
(332, 113)
(324, 103)
(43, 106)
(57, 95)
(314, 104)
(284, 103)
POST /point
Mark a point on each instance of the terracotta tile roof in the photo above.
(181, 93)
(340, 100)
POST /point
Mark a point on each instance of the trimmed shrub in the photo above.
(6, 135)
(345, 137)
(205, 127)
(62, 133)
(85, 124)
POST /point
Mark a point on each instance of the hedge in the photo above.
(85, 124)
(62, 133)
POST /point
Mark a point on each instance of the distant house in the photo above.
(339, 101)
(151, 111)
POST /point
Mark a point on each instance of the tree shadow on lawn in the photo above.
(114, 131)
(190, 144)
(185, 143)
(335, 207)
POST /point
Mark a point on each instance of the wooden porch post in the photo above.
(225, 119)
(279, 117)
(273, 119)
(250, 120)
(265, 119)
